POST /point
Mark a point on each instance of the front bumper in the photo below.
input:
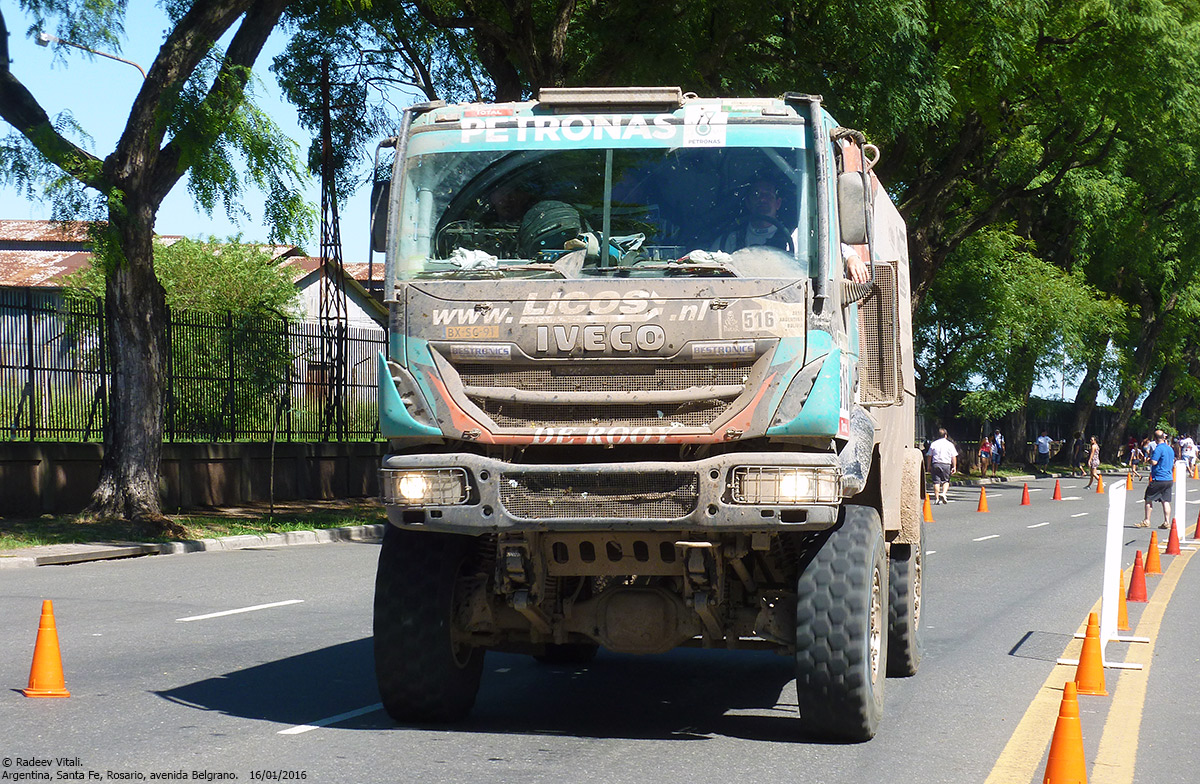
(741, 491)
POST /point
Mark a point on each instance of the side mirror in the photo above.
(381, 191)
(852, 207)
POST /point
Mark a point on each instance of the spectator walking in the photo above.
(1188, 446)
(1042, 458)
(1079, 456)
(1136, 457)
(1161, 461)
(1093, 461)
(997, 450)
(985, 456)
(943, 462)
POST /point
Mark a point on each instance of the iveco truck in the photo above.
(635, 400)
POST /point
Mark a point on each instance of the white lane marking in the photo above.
(1037, 525)
(1073, 498)
(1081, 514)
(331, 720)
(239, 610)
(985, 538)
(930, 552)
(1036, 489)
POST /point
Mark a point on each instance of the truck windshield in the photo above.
(727, 211)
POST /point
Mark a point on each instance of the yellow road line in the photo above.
(1022, 755)
(1119, 743)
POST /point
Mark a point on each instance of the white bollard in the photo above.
(1179, 504)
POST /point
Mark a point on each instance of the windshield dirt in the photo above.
(730, 211)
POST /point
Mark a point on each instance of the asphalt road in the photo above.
(160, 685)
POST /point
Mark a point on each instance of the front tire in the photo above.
(841, 630)
(425, 673)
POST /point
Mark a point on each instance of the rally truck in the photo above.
(609, 428)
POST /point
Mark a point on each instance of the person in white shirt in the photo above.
(943, 462)
(1188, 446)
(1043, 452)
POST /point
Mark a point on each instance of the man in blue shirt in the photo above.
(1161, 461)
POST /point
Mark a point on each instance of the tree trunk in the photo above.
(136, 307)
(1156, 400)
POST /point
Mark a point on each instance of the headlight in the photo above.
(413, 487)
(433, 487)
(779, 485)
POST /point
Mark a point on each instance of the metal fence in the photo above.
(227, 378)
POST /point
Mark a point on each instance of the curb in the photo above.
(71, 554)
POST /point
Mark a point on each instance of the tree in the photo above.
(190, 116)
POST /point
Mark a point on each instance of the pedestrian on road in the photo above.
(1079, 455)
(997, 449)
(1161, 461)
(1136, 457)
(1043, 452)
(1189, 451)
(943, 462)
(1093, 461)
(985, 457)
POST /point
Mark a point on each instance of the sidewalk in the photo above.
(61, 554)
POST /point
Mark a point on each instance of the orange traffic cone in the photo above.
(1173, 541)
(1099, 483)
(1089, 675)
(1137, 581)
(1129, 481)
(46, 674)
(1122, 608)
(928, 510)
(1153, 562)
(1058, 495)
(1025, 495)
(1066, 764)
(982, 500)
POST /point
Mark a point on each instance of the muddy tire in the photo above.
(841, 630)
(568, 653)
(423, 674)
(906, 643)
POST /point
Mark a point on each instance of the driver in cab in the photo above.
(760, 224)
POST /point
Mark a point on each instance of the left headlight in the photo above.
(429, 487)
(779, 485)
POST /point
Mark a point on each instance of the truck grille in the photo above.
(579, 377)
(507, 414)
(605, 378)
(619, 496)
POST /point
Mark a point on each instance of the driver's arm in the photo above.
(856, 269)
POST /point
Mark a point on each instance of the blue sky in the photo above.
(99, 92)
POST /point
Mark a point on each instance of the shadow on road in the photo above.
(682, 695)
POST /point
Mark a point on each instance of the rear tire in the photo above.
(906, 638)
(423, 672)
(841, 630)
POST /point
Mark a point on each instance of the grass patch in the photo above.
(19, 533)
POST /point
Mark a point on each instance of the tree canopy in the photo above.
(191, 117)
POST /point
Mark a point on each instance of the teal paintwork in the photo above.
(819, 416)
(394, 419)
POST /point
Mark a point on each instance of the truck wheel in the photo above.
(906, 640)
(841, 630)
(568, 653)
(424, 674)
